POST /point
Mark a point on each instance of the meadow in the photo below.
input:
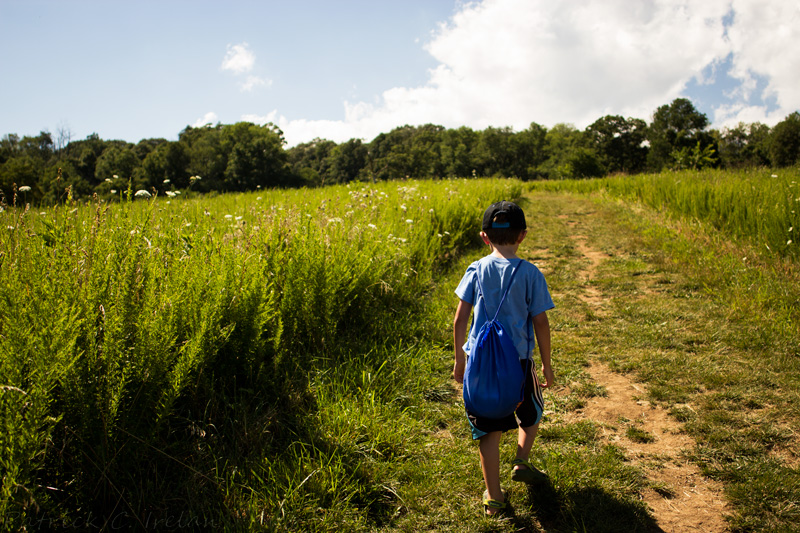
(280, 360)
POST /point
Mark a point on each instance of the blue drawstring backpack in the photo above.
(494, 381)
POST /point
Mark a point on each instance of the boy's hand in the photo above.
(549, 377)
(458, 369)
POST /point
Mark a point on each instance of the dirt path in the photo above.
(681, 499)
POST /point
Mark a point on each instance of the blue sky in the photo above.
(343, 69)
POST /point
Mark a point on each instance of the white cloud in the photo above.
(762, 40)
(239, 59)
(513, 62)
(254, 81)
(208, 118)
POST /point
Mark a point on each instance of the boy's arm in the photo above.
(460, 324)
(541, 327)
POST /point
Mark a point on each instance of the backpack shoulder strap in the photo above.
(503, 299)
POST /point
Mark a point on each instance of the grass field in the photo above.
(268, 410)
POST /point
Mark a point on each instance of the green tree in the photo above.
(674, 127)
(494, 154)
(784, 147)
(347, 161)
(116, 160)
(311, 161)
(255, 157)
(456, 152)
(619, 143)
(570, 154)
(529, 151)
(744, 145)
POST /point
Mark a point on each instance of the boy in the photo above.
(524, 314)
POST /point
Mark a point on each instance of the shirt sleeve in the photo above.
(540, 300)
(467, 288)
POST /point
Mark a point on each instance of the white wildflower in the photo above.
(10, 227)
(439, 235)
(403, 207)
(258, 198)
(115, 176)
(238, 218)
(229, 216)
(109, 180)
(790, 229)
(42, 213)
(373, 226)
(409, 221)
(141, 193)
(334, 219)
(171, 194)
(788, 242)
(113, 191)
(24, 188)
(774, 175)
(166, 181)
(430, 210)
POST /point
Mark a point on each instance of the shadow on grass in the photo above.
(589, 509)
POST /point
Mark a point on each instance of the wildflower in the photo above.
(774, 175)
(788, 242)
(41, 213)
(188, 225)
(228, 216)
(171, 194)
(141, 193)
(258, 198)
(115, 176)
(403, 207)
(109, 180)
(790, 229)
(439, 235)
(10, 227)
(430, 211)
(334, 219)
(166, 181)
(373, 226)
(24, 188)
(409, 221)
(113, 191)
(239, 218)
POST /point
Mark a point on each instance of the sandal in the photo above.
(489, 503)
(528, 474)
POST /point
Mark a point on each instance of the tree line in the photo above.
(246, 156)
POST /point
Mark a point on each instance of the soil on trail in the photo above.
(681, 498)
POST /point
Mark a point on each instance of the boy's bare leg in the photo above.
(490, 464)
(525, 442)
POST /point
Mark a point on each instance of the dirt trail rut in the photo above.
(681, 499)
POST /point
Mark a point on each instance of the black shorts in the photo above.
(529, 412)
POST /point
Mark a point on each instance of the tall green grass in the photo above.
(757, 205)
(218, 361)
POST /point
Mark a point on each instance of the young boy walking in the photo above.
(523, 313)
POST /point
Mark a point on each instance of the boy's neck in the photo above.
(505, 252)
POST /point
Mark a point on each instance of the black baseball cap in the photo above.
(515, 218)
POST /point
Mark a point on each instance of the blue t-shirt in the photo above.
(527, 298)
